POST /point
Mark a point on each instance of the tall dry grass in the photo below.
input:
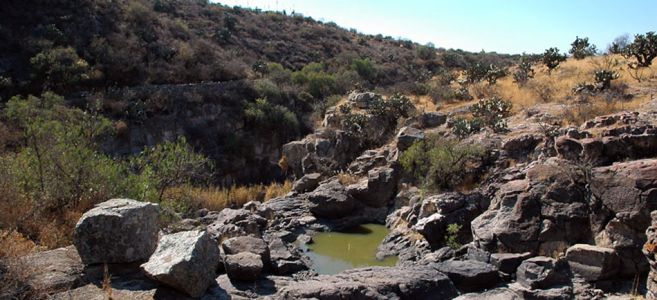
(218, 198)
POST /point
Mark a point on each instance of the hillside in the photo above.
(98, 54)
(176, 149)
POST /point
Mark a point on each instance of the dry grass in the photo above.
(215, 198)
(557, 88)
(347, 178)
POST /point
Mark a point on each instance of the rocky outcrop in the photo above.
(432, 119)
(375, 283)
(362, 100)
(623, 196)
(243, 266)
(185, 261)
(650, 251)
(117, 231)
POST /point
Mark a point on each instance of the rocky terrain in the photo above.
(560, 216)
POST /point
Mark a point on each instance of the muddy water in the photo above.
(333, 252)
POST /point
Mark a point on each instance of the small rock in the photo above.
(117, 231)
(185, 261)
(541, 273)
(243, 266)
(307, 183)
(508, 262)
(247, 244)
(432, 119)
(407, 136)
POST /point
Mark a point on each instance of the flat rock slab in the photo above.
(247, 244)
(419, 282)
(117, 231)
(469, 275)
(542, 272)
(185, 261)
(51, 271)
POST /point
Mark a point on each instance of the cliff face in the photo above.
(210, 115)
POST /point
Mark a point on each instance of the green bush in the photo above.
(603, 78)
(316, 81)
(452, 234)
(464, 127)
(59, 67)
(492, 112)
(271, 119)
(365, 68)
(440, 162)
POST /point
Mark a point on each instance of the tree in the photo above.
(643, 49)
(619, 44)
(581, 48)
(552, 58)
(59, 67)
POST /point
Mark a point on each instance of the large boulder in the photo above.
(185, 261)
(243, 266)
(593, 263)
(379, 188)
(330, 200)
(247, 244)
(469, 275)
(117, 231)
(419, 282)
(542, 272)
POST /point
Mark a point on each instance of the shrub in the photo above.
(552, 58)
(452, 234)
(476, 73)
(440, 162)
(494, 73)
(619, 44)
(524, 72)
(603, 78)
(580, 48)
(464, 127)
(271, 119)
(59, 67)
(643, 49)
(492, 112)
(365, 68)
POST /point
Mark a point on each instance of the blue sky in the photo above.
(506, 26)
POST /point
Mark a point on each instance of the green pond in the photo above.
(334, 252)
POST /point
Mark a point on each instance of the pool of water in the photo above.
(334, 252)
